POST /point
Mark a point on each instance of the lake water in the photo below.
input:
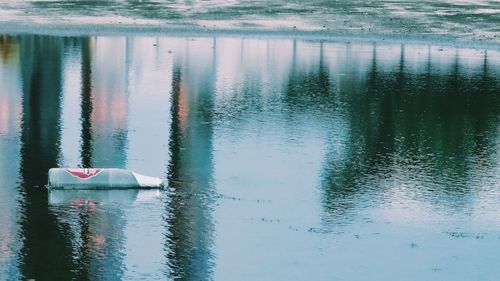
(285, 159)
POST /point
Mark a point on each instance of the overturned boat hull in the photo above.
(99, 178)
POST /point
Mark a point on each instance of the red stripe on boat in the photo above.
(83, 173)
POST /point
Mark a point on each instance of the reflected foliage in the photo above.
(189, 238)
(428, 128)
(41, 62)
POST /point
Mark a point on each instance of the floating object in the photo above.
(99, 178)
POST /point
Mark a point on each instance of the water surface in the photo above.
(285, 159)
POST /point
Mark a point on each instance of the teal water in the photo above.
(285, 159)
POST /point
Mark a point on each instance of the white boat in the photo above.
(100, 178)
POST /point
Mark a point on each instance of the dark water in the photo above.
(286, 159)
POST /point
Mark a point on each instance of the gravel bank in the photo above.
(462, 22)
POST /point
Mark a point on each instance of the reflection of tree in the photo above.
(98, 232)
(190, 227)
(95, 234)
(86, 133)
(56, 244)
(418, 123)
(46, 252)
(371, 139)
(309, 91)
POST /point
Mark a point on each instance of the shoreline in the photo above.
(167, 30)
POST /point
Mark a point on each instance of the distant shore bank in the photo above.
(71, 29)
(439, 22)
